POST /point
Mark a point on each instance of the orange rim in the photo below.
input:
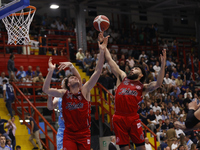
(25, 13)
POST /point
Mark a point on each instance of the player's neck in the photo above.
(74, 90)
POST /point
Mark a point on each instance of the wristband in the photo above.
(71, 67)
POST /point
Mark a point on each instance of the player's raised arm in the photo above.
(113, 66)
(74, 71)
(52, 104)
(156, 84)
(46, 86)
(95, 76)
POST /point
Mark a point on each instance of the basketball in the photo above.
(101, 23)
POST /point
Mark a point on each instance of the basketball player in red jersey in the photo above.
(76, 103)
(129, 92)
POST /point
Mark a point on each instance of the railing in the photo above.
(37, 114)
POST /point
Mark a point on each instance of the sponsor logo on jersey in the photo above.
(126, 82)
(138, 87)
(88, 141)
(117, 140)
(127, 91)
(72, 106)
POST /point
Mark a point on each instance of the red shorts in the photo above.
(77, 140)
(125, 127)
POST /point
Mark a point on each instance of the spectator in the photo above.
(87, 61)
(9, 95)
(34, 132)
(112, 145)
(143, 113)
(147, 144)
(18, 147)
(158, 116)
(37, 71)
(171, 135)
(175, 108)
(131, 61)
(122, 59)
(181, 120)
(151, 119)
(1, 83)
(164, 115)
(156, 107)
(115, 47)
(175, 145)
(21, 73)
(163, 144)
(3, 143)
(9, 144)
(89, 38)
(143, 55)
(179, 132)
(92, 68)
(72, 50)
(156, 67)
(187, 92)
(183, 88)
(166, 125)
(2, 131)
(188, 76)
(160, 132)
(175, 73)
(79, 57)
(11, 65)
(179, 81)
(188, 141)
(11, 131)
(30, 72)
(193, 147)
(39, 79)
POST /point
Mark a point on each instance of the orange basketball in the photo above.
(101, 23)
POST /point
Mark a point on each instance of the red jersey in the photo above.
(127, 96)
(76, 112)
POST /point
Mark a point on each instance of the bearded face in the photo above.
(132, 76)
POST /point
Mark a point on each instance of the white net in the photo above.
(18, 25)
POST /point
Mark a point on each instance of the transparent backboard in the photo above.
(8, 7)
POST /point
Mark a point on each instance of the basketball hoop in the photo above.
(18, 25)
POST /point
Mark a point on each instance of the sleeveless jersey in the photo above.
(128, 95)
(76, 112)
(10, 92)
(60, 118)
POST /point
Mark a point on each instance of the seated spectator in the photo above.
(87, 61)
(158, 116)
(152, 58)
(175, 108)
(171, 135)
(37, 71)
(151, 119)
(188, 92)
(18, 147)
(159, 128)
(122, 59)
(12, 77)
(131, 61)
(28, 82)
(188, 141)
(143, 114)
(30, 72)
(89, 38)
(169, 108)
(156, 67)
(156, 107)
(188, 76)
(176, 92)
(167, 82)
(175, 73)
(179, 132)
(115, 47)
(183, 88)
(147, 144)
(166, 125)
(164, 115)
(8, 144)
(79, 57)
(175, 145)
(196, 97)
(143, 55)
(39, 79)
(92, 68)
(21, 73)
(1, 83)
(179, 81)
(163, 144)
(192, 88)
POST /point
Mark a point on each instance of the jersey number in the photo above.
(11, 88)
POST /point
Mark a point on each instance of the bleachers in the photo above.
(30, 60)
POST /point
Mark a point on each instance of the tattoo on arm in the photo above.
(151, 87)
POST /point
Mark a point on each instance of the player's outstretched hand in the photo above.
(103, 46)
(163, 57)
(51, 66)
(193, 105)
(64, 65)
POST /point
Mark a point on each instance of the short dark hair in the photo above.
(3, 136)
(4, 81)
(66, 81)
(143, 72)
(18, 146)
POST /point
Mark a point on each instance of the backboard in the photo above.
(8, 7)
